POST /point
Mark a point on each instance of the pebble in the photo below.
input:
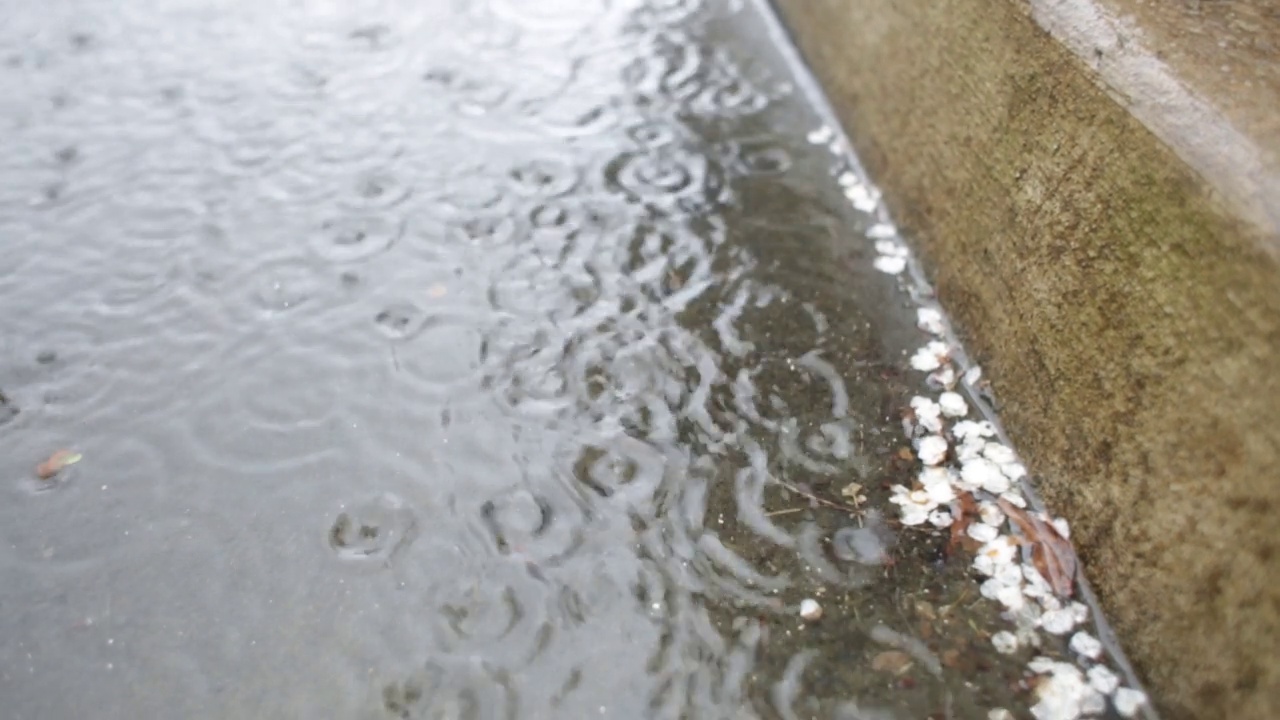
(863, 545)
(810, 610)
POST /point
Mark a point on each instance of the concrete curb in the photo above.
(1106, 238)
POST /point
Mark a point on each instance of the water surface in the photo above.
(446, 360)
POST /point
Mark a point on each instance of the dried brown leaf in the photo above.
(964, 518)
(56, 462)
(951, 658)
(1052, 554)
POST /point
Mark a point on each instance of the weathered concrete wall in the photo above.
(1125, 308)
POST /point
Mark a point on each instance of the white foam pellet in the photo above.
(953, 405)
(891, 264)
(982, 473)
(1079, 612)
(1011, 597)
(930, 476)
(1102, 679)
(881, 231)
(1062, 695)
(1010, 575)
(1128, 701)
(930, 321)
(970, 449)
(1092, 702)
(991, 514)
(999, 454)
(1014, 498)
(1057, 622)
(943, 377)
(968, 428)
(932, 449)
(862, 197)
(940, 494)
(926, 359)
(820, 135)
(1087, 645)
(928, 413)
(1014, 471)
(994, 555)
(913, 514)
(982, 532)
(1005, 642)
(940, 519)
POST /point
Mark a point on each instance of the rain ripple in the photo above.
(434, 333)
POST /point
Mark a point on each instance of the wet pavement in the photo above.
(454, 360)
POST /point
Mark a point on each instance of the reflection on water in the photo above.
(438, 359)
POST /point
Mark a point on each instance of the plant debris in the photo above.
(966, 513)
(48, 469)
(1050, 551)
(970, 483)
(894, 662)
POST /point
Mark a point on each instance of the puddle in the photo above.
(484, 360)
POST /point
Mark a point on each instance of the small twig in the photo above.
(815, 498)
(964, 592)
(788, 511)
